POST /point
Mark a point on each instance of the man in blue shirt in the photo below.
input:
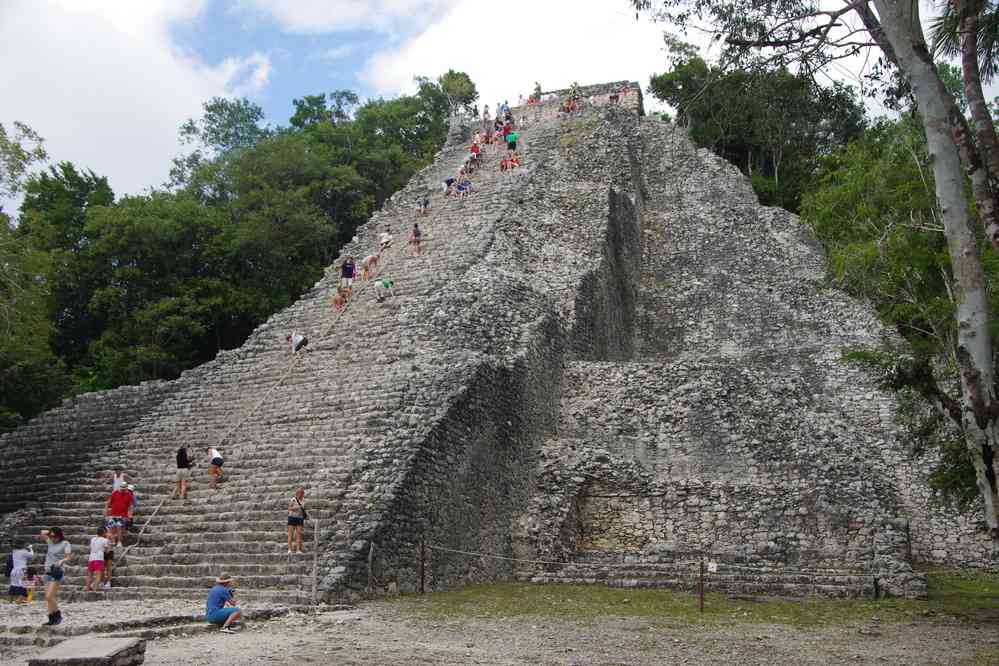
(221, 607)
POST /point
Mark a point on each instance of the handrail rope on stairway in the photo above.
(246, 416)
(281, 380)
(655, 565)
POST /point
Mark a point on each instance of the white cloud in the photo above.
(322, 16)
(554, 42)
(337, 53)
(246, 76)
(106, 87)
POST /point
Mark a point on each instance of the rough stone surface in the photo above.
(613, 356)
(93, 652)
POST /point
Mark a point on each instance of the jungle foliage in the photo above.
(99, 291)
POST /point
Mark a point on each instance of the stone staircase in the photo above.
(342, 398)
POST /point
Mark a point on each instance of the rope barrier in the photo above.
(655, 565)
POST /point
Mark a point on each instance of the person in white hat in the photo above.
(221, 607)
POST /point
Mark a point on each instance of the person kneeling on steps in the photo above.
(221, 607)
(384, 286)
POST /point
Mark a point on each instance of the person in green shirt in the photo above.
(384, 286)
(511, 141)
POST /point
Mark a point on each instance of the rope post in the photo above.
(700, 588)
(371, 560)
(423, 566)
(315, 564)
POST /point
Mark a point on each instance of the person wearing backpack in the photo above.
(18, 558)
(184, 465)
(296, 519)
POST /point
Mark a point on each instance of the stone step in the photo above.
(732, 585)
(149, 628)
(193, 593)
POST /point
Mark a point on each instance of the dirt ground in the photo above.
(390, 633)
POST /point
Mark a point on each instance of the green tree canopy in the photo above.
(769, 122)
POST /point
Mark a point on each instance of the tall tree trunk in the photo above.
(900, 22)
(984, 181)
(985, 131)
(981, 183)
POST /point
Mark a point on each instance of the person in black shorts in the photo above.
(296, 519)
(415, 236)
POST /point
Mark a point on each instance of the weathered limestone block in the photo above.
(93, 652)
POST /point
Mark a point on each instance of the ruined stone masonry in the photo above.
(612, 363)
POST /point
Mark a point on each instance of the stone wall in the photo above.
(41, 457)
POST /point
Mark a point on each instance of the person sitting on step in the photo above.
(369, 266)
(297, 342)
(215, 462)
(425, 206)
(466, 188)
(385, 240)
(447, 185)
(514, 160)
(504, 164)
(339, 300)
(384, 287)
(296, 519)
(221, 607)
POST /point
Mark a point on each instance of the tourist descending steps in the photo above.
(511, 141)
(423, 207)
(56, 556)
(339, 299)
(347, 271)
(99, 545)
(369, 266)
(184, 465)
(118, 479)
(415, 236)
(221, 606)
(118, 513)
(296, 519)
(215, 462)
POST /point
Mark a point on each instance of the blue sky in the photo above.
(303, 64)
(108, 82)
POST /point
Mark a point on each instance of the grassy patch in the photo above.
(594, 601)
(970, 596)
(572, 135)
(973, 596)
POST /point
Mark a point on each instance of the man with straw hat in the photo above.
(221, 607)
